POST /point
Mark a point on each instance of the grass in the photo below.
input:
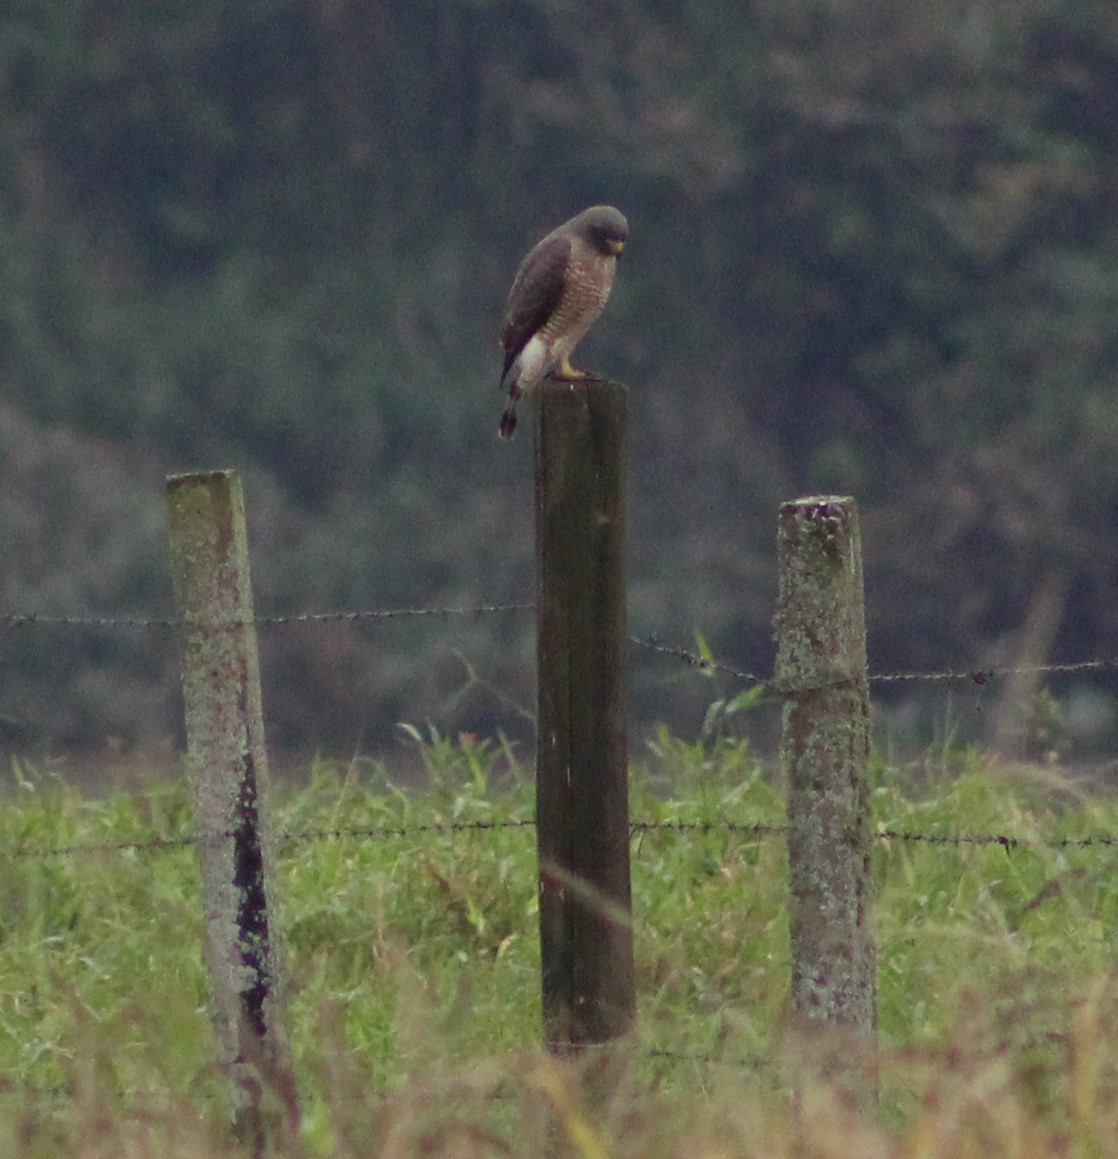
(412, 967)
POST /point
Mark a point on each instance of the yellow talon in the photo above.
(567, 373)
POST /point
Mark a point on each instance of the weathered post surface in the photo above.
(582, 793)
(821, 672)
(229, 772)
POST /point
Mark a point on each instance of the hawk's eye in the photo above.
(607, 242)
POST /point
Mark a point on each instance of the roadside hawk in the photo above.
(558, 293)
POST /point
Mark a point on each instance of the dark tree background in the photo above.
(874, 252)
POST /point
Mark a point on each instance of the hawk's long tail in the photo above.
(508, 419)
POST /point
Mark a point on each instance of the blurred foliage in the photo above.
(874, 252)
(412, 964)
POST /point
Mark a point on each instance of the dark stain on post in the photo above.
(252, 902)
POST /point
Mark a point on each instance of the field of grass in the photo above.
(412, 967)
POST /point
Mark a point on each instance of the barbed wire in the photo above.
(692, 658)
(757, 828)
(980, 676)
(985, 675)
(438, 828)
(284, 837)
(636, 828)
(695, 660)
(611, 1046)
(700, 661)
(652, 642)
(34, 619)
(1007, 842)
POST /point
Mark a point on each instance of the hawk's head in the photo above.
(604, 228)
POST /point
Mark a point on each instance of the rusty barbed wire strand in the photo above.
(438, 828)
(651, 642)
(674, 1055)
(984, 675)
(708, 1059)
(636, 829)
(760, 828)
(34, 619)
(693, 660)
(284, 837)
(1001, 839)
(978, 676)
(153, 845)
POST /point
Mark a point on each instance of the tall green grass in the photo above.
(412, 967)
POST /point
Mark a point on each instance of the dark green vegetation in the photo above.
(413, 969)
(874, 253)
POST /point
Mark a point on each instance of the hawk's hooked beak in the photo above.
(616, 247)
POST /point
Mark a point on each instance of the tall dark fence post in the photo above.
(821, 671)
(229, 770)
(582, 793)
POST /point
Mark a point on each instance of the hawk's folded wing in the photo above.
(536, 291)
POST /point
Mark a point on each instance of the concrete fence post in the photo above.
(229, 773)
(821, 673)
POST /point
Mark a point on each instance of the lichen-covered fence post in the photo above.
(582, 802)
(821, 673)
(229, 773)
